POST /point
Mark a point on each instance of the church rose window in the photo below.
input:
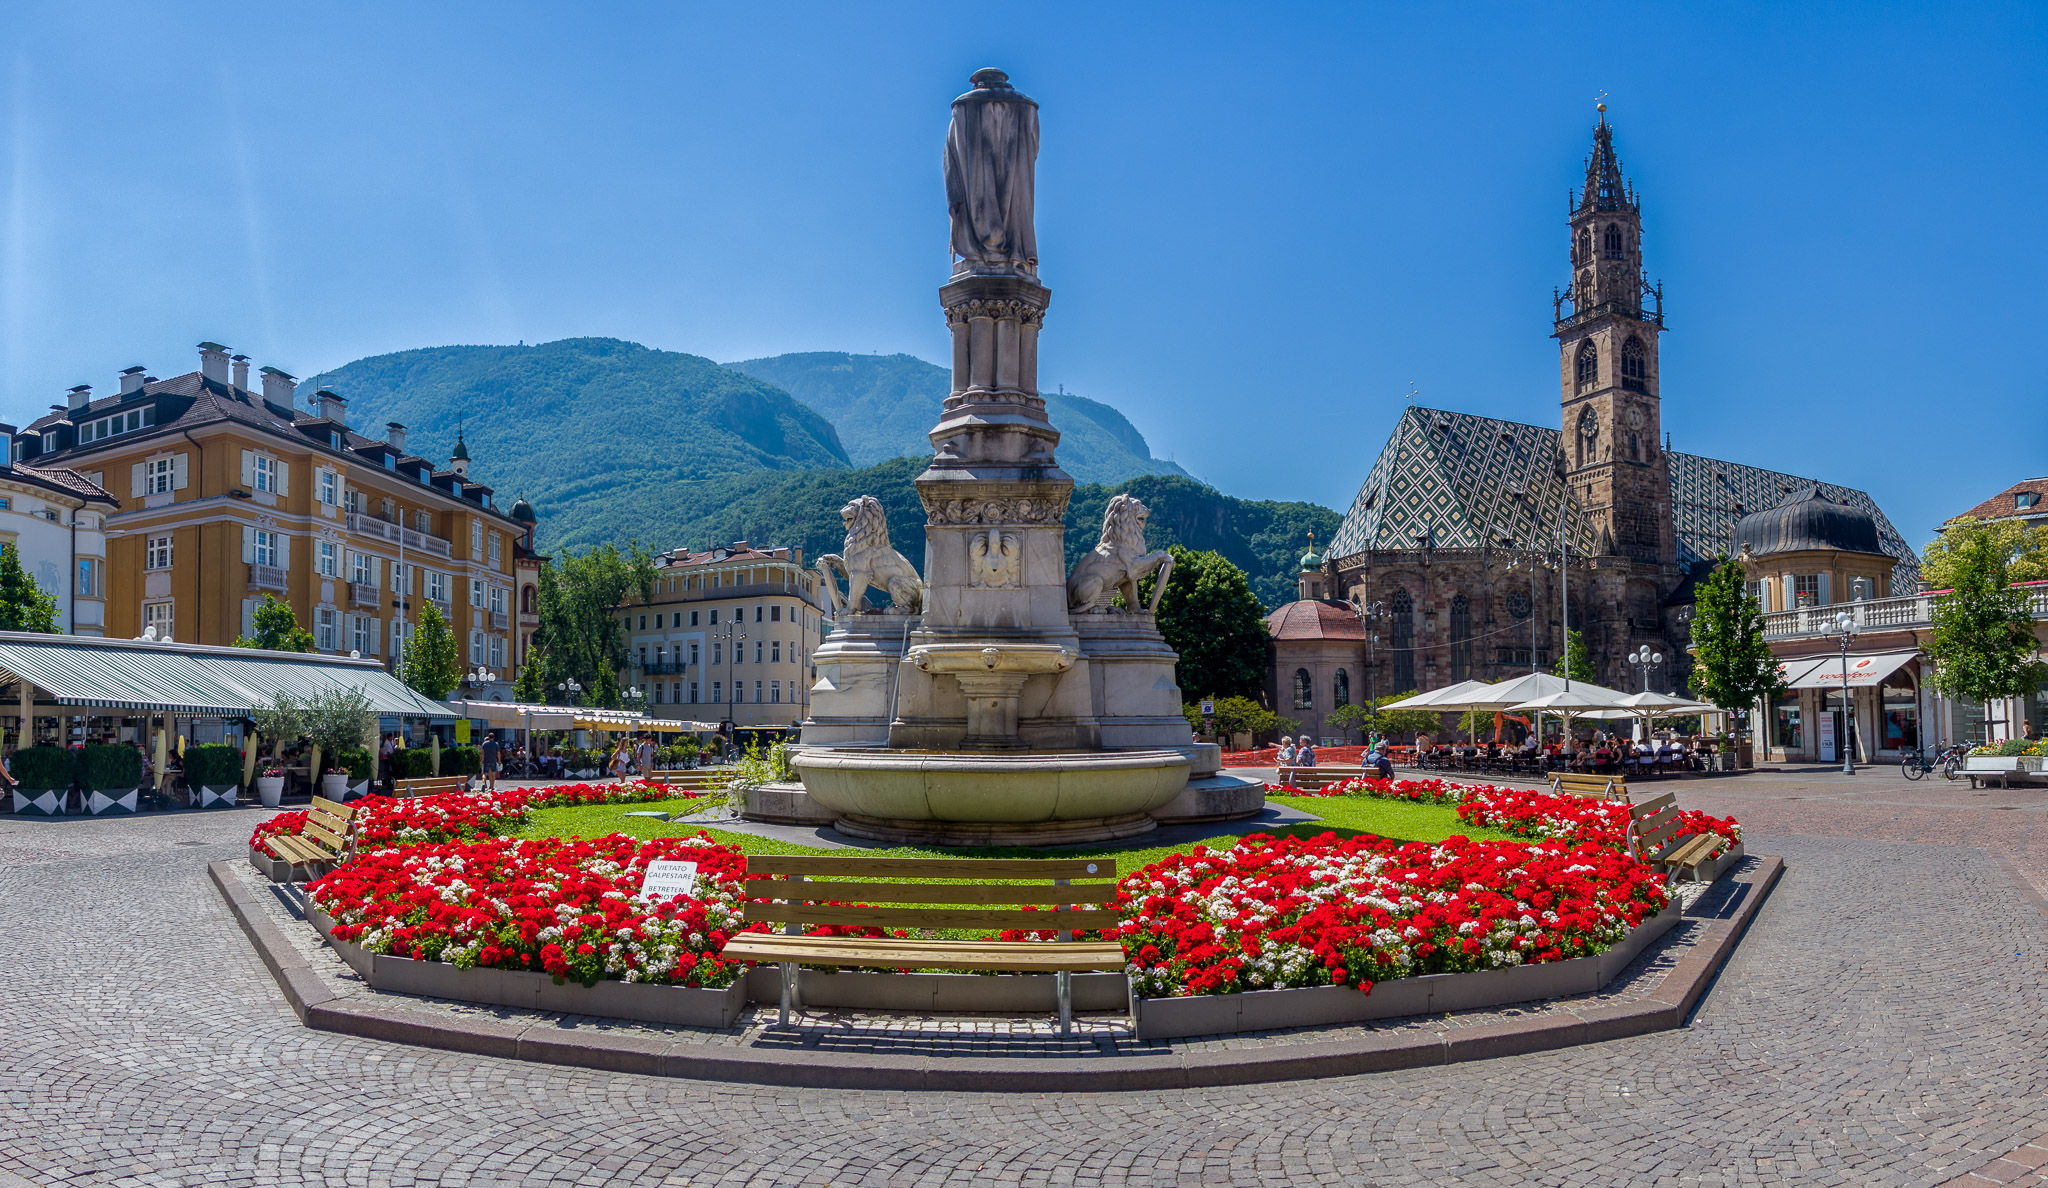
(1401, 635)
(1304, 691)
(1518, 603)
(1588, 364)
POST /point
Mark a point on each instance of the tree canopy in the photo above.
(432, 665)
(2024, 548)
(1576, 663)
(1210, 616)
(24, 604)
(581, 638)
(277, 628)
(1735, 668)
(1983, 644)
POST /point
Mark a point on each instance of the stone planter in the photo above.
(2030, 764)
(1268, 1010)
(41, 802)
(684, 1006)
(334, 785)
(1707, 872)
(101, 804)
(1023, 994)
(223, 796)
(277, 870)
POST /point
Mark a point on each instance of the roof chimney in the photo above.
(333, 407)
(213, 362)
(79, 396)
(241, 363)
(280, 388)
(394, 433)
(131, 381)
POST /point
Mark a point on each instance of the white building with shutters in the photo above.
(55, 518)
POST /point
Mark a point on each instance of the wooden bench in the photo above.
(1651, 826)
(428, 786)
(1603, 787)
(1319, 775)
(689, 777)
(328, 839)
(846, 891)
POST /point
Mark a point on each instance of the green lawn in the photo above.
(1345, 816)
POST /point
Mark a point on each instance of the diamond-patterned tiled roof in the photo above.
(1449, 479)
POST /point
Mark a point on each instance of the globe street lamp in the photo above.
(569, 690)
(481, 676)
(1368, 621)
(1644, 659)
(1845, 626)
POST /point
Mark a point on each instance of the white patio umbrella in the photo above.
(1450, 697)
(1580, 701)
(1651, 706)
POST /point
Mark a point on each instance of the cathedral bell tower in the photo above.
(1607, 367)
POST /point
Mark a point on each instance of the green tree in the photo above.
(581, 637)
(1734, 669)
(1576, 664)
(24, 604)
(277, 628)
(532, 685)
(2025, 549)
(1238, 715)
(433, 666)
(1983, 644)
(1211, 618)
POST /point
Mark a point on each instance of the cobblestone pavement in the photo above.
(1882, 1024)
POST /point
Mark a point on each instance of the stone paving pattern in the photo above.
(1875, 1027)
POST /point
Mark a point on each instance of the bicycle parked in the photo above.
(1948, 762)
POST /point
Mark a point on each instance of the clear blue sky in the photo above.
(1260, 224)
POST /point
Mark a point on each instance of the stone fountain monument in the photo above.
(1002, 700)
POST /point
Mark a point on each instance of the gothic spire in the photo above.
(1605, 189)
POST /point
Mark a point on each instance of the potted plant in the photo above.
(280, 722)
(111, 777)
(42, 781)
(355, 763)
(213, 772)
(336, 720)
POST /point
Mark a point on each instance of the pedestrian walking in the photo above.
(490, 761)
(1305, 754)
(620, 762)
(643, 756)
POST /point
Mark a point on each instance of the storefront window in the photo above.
(1785, 725)
(1967, 723)
(1901, 713)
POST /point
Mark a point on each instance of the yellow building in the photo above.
(227, 495)
(727, 637)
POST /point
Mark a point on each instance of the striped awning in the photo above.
(191, 679)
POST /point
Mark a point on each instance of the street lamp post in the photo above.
(734, 640)
(1368, 621)
(1645, 660)
(1845, 626)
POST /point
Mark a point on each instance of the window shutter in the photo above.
(248, 544)
(284, 552)
(249, 617)
(249, 468)
(177, 472)
(284, 477)
(135, 481)
(1825, 598)
(1791, 592)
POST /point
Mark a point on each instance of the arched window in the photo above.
(1633, 364)
(1585, 249)
(1342, 688)
(1401, 640)
(1461, 639)
(1587, 365)
(526, 600)
(1613, 239)
(1304, 691)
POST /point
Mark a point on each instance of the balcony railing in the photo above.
(267, 577)
(370, 525)
(1873, 614)
(363, 594)
(499, 621)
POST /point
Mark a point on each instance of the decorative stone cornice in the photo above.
(999, 308)
(973, 511)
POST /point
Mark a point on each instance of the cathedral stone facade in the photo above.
(1457, 553)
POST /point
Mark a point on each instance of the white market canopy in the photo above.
(141, 676)
(1450, 697)
(1580, 701)
(1516, 690)
(525, 716)
(1664, 705)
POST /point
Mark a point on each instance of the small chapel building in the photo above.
(1472, 540)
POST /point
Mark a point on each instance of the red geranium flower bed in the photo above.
(1273, 913)
(560, 906)
(454, 816)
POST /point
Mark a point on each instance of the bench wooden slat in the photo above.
(889, 917)
(1692, 851)
(1019, 956)
(952, 893)
(293, 850)
(1643, 808)
(934, 868)
(314, 831)
(1649, 840)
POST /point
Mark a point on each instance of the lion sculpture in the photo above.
(1115, 565)
(869, 561)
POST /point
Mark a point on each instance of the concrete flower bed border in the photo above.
(563, 1042)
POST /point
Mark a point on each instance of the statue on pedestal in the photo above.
(870, 561)
(991, 161)
(1116, 563)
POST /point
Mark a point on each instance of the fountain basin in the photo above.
(952, 798)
